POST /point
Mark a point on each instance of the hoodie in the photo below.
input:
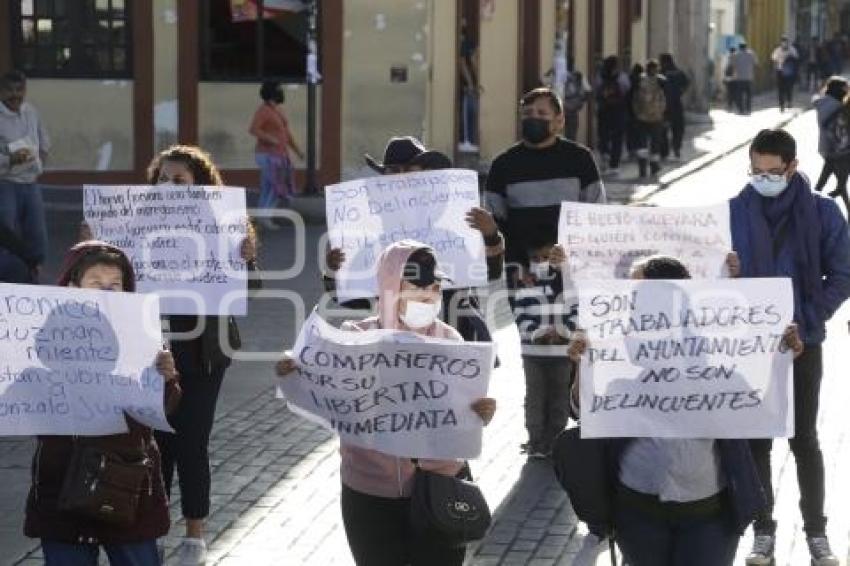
(827, 108)
(369, 471)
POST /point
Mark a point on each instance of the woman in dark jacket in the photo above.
(68, 538)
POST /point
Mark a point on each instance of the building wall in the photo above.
(765, 24)
(639, 35)
(612, 27)
(380, 35)
(441, 127)
(165, 109)
(499, 78)
(90, 122)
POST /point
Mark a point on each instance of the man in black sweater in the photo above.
(529, 181)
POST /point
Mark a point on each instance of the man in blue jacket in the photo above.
(781, 229)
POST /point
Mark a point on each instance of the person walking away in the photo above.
(576, 92)
(611, 87)
(833, 116)
(649, 104)
(376, 487)
(745, 63)
(780, 228)
(528, 182)
(544, 325)
(812, 66)
(24, 147)
(632, 129)
(785, 59)
(70, 538)
(274, 140)
(675, 86)
(730, 81)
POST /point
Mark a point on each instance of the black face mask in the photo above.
(535, 130)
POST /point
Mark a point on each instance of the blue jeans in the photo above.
(22, 210)
(276, 180)
(65, 554)
(469, 116)
(647, 540)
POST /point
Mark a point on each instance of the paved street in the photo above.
(275, 480)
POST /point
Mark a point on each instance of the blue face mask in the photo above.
(769, 186)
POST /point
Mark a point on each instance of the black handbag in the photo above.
(448, 509)
(103, 485)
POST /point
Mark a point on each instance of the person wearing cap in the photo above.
(461, 310)
(376, 487)
(528, 182)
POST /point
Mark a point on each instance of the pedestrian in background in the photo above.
(24, 147)
(201, 362)
(730, 80)
(780, 228)
(576, 93)
(676, 84)
(785, 61)
(649, 104)
(745, 62)
(611, 88)
(833, 116)
(377, 487)
(274, 140)
(632, 125)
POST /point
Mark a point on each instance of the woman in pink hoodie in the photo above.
(376, 487)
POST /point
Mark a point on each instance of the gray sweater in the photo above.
(826, 107)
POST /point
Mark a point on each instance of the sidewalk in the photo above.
(707, 139)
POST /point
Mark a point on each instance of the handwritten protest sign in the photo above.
(73, 361)
(184, 242)
(604, 241)
(395, 392)
(366, 216)
(686, 359)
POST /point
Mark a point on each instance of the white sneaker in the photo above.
(820, 552)
(467, 147)
(591, 547)
(192, 552)
(762, 553)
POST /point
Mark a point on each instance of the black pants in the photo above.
(611, 127)
(841, 169)
(187, 449)
(651, 134)
(379, 534)
(785, 89)
(808, 370)
(674, 133)
(744, 96)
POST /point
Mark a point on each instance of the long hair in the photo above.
(197, 160)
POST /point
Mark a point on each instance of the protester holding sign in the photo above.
(73, 534)
(376, 487)
(529, 181)
(781, 229)
(460, 306)
(201, 361)
(678, 501)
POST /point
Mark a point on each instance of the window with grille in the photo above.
(72, 38)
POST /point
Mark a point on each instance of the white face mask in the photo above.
(419, 315)
(540, 269)
(769, 186)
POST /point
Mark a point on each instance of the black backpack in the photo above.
(837, 129)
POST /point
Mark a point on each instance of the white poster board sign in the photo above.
(395, 392)
(365, 216)
(686, 359)
(74, 361)
(604, 241)
(183, 241)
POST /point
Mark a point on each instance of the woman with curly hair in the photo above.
(201, 361)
